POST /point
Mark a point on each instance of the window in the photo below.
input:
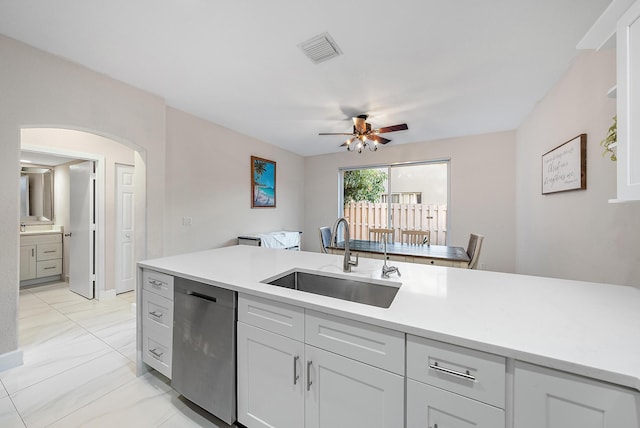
(398, 196)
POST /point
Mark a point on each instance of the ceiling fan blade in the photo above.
(360, 123)
(335, 133)
(393, 128)
(378, 139)
(349, 141)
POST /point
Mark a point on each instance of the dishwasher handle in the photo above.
(201, 296)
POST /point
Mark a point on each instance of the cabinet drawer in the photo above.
(157, 282)
(157, 310)
(49, 251)
(370, 344)
(156, 349)
(48, 268)
(272, 316)
(428, 407)
(435, 262)
(467, 372)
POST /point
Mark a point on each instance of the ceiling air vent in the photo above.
(320, 48)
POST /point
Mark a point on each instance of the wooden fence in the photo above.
(365, 215)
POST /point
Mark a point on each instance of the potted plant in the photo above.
(609, 143)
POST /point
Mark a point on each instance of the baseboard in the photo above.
(106, 294)
(10, 360)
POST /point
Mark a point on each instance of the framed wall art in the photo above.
(565, 167)
(263, 183)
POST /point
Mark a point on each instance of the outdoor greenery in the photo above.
(364, 185)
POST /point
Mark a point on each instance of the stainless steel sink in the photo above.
(369, 292)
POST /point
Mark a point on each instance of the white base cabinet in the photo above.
(344, 393)
(553, 399)
(431, 407)
(270, 379)
(284, 382)
(157, 320)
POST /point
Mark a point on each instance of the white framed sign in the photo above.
(565, 167)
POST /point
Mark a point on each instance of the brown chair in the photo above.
(473, 249)
(380, 234)
(415, 237)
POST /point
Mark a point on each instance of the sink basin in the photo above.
(367, 291)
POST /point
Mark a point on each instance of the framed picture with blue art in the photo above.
(263, 183)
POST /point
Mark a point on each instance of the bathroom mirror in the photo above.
(36, 195)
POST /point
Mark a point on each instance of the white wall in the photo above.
(576, 234)
(209, 180)
(41, 90)
(482, 190)
(84, 142)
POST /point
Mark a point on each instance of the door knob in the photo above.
(68, 234)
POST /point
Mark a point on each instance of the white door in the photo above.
(344, 393)
(81, 229)
(124, 254)
(428, 406)
(270, 379)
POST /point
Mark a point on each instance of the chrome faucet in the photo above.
(346, 265)
(387, 270)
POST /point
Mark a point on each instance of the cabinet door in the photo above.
(553, 399)
(344, 393)
(27, 262)
(270, 379)
(431, 407)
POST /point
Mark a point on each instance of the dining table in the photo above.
(440, 255)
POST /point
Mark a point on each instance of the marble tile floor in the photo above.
(79, 368)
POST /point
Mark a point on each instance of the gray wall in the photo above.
(576, 234)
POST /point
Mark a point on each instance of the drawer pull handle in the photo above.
(156, 354)
(156, 314)
(309, 383)
(296, 376)
(156, 284)
(49, 251)
(49, 267)
(466, 375)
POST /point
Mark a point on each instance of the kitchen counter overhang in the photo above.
(584, 328)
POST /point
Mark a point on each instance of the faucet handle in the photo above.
(354, 263)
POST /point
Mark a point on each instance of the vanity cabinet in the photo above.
(319, 371)
(157, 320)
(40, 257)
(451, 386)
(546, 397)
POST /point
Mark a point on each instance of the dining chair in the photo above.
(473, 249)
(416, 237)
(325, 238)
(380, 234)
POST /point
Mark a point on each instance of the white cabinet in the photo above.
(628, 104)
(554, 399)
(431, 407)
(157, 320)
(284, 381)
(341, 392)
(27, 262)
(454, 387)
(40, 257)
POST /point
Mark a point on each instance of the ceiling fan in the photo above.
(362, 132)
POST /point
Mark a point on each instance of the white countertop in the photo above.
(584, 328)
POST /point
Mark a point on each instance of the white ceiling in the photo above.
(446, 68)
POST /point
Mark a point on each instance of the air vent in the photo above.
(320, 48)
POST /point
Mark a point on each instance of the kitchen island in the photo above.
(533, 331)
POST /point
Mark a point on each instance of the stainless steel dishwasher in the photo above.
(204, 346)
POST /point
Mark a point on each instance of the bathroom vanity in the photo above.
(40, 256)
